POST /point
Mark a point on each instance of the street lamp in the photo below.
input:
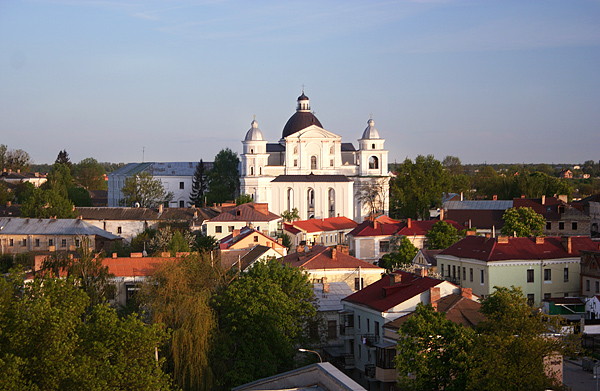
(311, 351)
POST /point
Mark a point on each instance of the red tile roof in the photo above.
(384, 294)
(321, 257)
(328, 224)
(247, 212)
(230, 240)
(290, 228)
(406, 228)
(135, 267)
(488, 249)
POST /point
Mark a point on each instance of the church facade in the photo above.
(312, 170)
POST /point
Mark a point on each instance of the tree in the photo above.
(433, 353)
(90, 174)
(63, 158)
(203, 243)
(512, 343)
(522, 222)
(442, 235)
(23, 191)
(5, 194)
(13, 159)
(79, 196)
(243, 199)
(179, 243)
(50, 342)
(178, 296)
(289, 216)
(402, 254)
(45, 204)
(199, 186)
(453, 165)
(374, 196)
(60, 179)
(144, 190)
(263, 317)
(224, 178)
(417, 187)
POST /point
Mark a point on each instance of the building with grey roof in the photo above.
(21, 235)
(176, 178)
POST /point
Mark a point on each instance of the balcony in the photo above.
(369, 339)
(346, 331)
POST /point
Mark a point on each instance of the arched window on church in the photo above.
(295, 150)
(313, 162)
(331, 200)
(372, 146)
(251, 170)
(373, 162)
(259, 170)
(290, 199)
(310, 201)
(331, 150)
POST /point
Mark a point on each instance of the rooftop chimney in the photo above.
(334, 254)
(495, 197)
(262, 208)
(114, 255)
(423, 272)
(563, 197)
(236, 232)
(394, 278)
(161, 208)
(442, 214)
(543, 199)
(502, 239)
(539, 240)
(409, 223)
(567, 244)
(467, 293)
(434, 296)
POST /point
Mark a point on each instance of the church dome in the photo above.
(254, 133)
(370, 132)
(302, 118)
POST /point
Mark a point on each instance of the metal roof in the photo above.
(161, 168)
(479, 205)
(31, 226)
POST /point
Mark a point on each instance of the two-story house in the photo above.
(330, 231)
(255, 215)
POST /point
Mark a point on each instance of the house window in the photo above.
(547, 274)
(331, 162)
(50, 242)
(63, 243)
(386, 358)
(482, 277)
(24, 243)
(251, 170)
(530, 298)
(368, 325)
(331, 201)
(119, 230)
(182, 185)
(77, 242)
(373, 163)
(453, 271)
(442, 269)
(566, 274)
(574, 225)
(449, 275)
(597, 287)
(11, 242)
(290, 199)
(255, 238)
(358, 284)
(530, 275)
(331, 329)
(310, 200)
(230, 228)
(313, 162)
(358, 322)
(295, 162)
(561, 225)
(384, 246)
(37, 243)
(587, 285)
(182, 204)
(464, 273)
(218, 229)
(548, 225)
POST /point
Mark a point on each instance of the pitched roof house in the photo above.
(334, 264)
(561, 218)
(249, 238)
(368, 310)
(370, 240)
(329, 231)
(252, 214)
(542, 267)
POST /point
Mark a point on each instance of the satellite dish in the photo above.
(136, 205)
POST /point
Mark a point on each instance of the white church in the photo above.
(311, 169)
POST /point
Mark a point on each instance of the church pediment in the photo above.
(313, 132)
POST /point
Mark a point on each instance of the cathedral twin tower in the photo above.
(312, 170)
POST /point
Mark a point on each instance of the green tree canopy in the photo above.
(224, 178)
(50, 342)
(90, 174)
(289, 216)
(442, 235)
(13, 159)
(402, 254)
(199, 185)
(263, 317)
(433, 353)
(63, 158)
(46, 204)
(60, 179)
(144, 190)
(522, 222)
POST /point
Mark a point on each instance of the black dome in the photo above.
(303, 97)
(299, 121)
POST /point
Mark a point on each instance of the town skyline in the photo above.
(500, 82)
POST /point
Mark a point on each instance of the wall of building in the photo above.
(14, 244)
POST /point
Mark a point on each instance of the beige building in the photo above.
(255, 215)
(248, 238)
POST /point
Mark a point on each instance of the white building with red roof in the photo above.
(255, 215)
(327, 232)
(366, 311)
(543, 267)
(334, 264)
(370, 240)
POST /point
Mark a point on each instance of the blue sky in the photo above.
(487, 81)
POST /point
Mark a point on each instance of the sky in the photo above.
(496, 81)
